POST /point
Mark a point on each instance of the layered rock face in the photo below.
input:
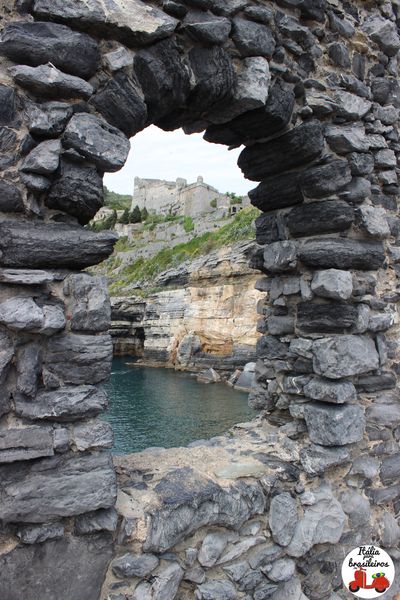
(310, 89)
(204, 315)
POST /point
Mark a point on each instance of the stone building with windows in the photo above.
(178, 197)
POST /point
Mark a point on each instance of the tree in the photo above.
(145, 213)
(135, 216)
(124, 220)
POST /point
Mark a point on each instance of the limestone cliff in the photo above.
(204, 315)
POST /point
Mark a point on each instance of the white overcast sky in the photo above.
(158, 154)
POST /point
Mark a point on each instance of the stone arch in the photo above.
(310, 89)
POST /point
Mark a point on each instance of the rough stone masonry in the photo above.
(310, 88)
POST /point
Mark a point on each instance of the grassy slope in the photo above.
(240, 228)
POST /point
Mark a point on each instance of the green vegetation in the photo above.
(124, 218)
(135, 216)
(116, 201)
(188, 224)
(213, 203)
(145, 214)
(105, 223)
(145, 270)
(234, 199)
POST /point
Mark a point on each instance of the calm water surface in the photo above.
(162, 407)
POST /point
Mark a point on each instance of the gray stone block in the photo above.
(216, 589)
(92, 436)
(40, 245)
(283, 518)
(39, 43)
(48, 81)
(134, 565)
(131, 22)
(37, 534)
(79, 359)
(325, 390)
(10, 198)
(98, 141)
(69, 403)
(344, 355)
(252, 39)
(164, 585)
(84, 563)
(60, 486)
(341, 253)
(48, 119)
(317, 459)
(90, 307)
(105, 519)
(25, 444)
(330, 425)
(333, 283)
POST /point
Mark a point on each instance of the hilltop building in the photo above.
(178, 197)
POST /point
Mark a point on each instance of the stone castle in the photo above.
(178, 197)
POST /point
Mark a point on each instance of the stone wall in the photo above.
(310, 88)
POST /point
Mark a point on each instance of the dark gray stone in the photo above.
(134, 565)
(280, 256)
(278, 191)
(271, 348)
(373, 219)
(344, 355)
(269, 228)
(320, 217)
(383, 32)
(390, 530)
(324, 180)
(84, 564)
(356, 507)
(105, 519)
(79, 359)
(35, 183)
(43, 159)
(350, 106)
(121, 104)
(212, 547)
(70, 403)
(333, 283)
(55, 487)
(290, 28)
(340, 25)
(384, 415)
(283, 518)
(39, 43)
(92, 436)
(357, 191)
(253, 39)
(25, 444)
(214, 80)
(290, 150)
(260, 14)
(7, 104)
(37, 534)
(118, 59)
(29, 363)
(175, 9)
(341, 253)
(361, 163)
(330, 425)
(21, 314)
(220, 7)
(132, 22)
(26, 277)
(390, 469)
(348, 138)
(258, 123)
(49, 119)
(216, 589)
(48, 81)
(317, 459)
(189, 500)
(163, 77)
(330, 391)
(90, 308)
(77, 190)
(10, 198)
(8, 140)
(165, 584)
(325, 318)
(98, 141)
(339, 55)
(323, 522)
(206, 28)
(376, 383)
(34, 244)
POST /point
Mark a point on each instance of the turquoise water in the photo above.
(162, 407)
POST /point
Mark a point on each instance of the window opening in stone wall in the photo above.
(184, 322)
